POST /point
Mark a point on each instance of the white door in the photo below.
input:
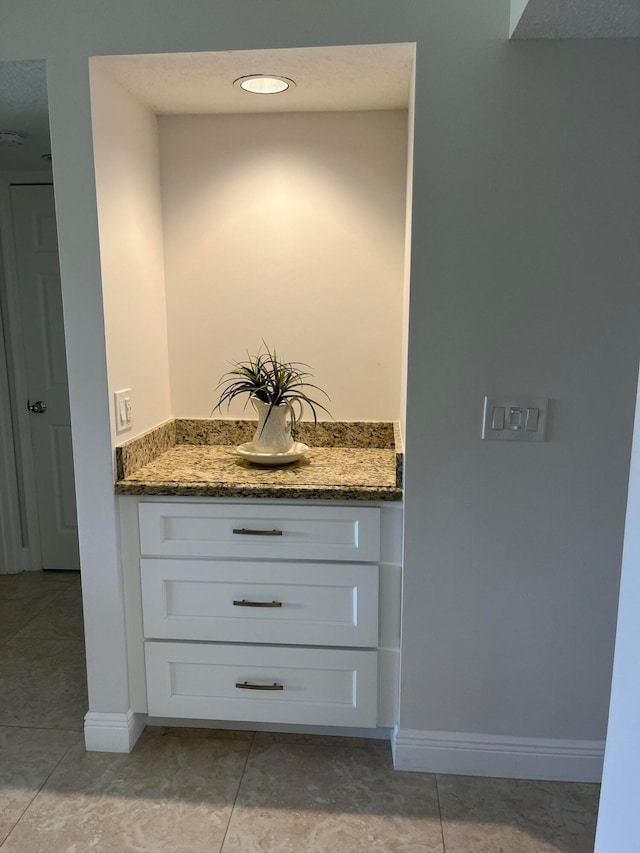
(36, 248)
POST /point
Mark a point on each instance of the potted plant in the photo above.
(278, 390)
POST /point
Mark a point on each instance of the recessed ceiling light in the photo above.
(264, 84)
(12, 137)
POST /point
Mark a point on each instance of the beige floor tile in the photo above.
(481, 815)
(171, 795)
(22, 597)
(66, 576)
(11, 620)
(60, 574)
(16, 613)
(27, 757)
(30, 584)
(43, 684)
(60, 618)
(28, 601)
(296, 798)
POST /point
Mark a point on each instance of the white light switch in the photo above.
(123, 410)
(497, 418)
(514, 419)
(533, 415)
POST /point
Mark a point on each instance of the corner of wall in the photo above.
(127, 169)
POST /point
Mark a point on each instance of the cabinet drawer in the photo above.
(333, 687)
(266, 532)
(298, 603)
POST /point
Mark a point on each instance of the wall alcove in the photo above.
(228, 218)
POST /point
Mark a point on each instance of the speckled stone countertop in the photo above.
(346, 461)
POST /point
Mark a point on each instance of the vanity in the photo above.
(263, 596)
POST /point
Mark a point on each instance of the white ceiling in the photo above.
(361, 77)
(23, 107)
(342, 78)
(581, 19)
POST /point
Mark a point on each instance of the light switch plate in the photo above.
(123, 410)
(515, 418)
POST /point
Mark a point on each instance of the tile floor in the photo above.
(191, 790)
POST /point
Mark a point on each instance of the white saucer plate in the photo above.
(247, 452)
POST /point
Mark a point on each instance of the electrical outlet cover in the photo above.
(515, 419)
(123, 411)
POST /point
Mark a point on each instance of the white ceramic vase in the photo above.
(273, 434)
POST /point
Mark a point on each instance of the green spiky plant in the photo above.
(272, 381)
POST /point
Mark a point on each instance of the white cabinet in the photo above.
(271, 684)
(264, 612)
(319, 604)
(288, 532)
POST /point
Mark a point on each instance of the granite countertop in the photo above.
(347, 461)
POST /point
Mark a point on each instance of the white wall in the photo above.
(526, 192)
(76, 216)
(406, 300)
(127, 169)
(618, 812)
(524, 279)
(288, 228)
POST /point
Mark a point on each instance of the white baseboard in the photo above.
(111, 732)
(494, 755)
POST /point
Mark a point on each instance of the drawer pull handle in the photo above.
(247, 531)
(245, 603)
(244, 685)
